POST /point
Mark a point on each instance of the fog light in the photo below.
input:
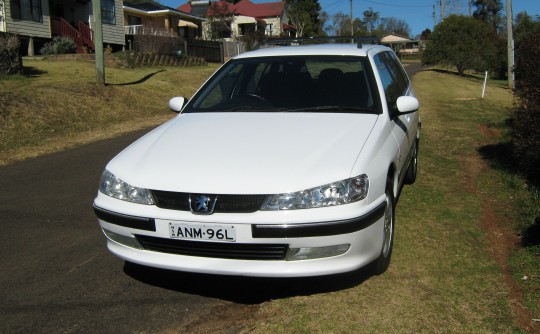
(307, 253)
(122, 239)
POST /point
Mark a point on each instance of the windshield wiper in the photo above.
(242, 108)
(330, 108)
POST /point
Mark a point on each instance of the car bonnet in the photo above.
(245, 153)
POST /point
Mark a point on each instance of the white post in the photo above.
(485, 83)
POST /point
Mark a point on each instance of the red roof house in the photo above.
(245, 12)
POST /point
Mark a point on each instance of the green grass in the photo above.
(443, 276)
(58, 104)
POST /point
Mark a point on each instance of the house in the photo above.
(151, 18)
(245, 16)
(401, 44)
(38, 21)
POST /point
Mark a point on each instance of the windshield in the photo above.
(293, 84)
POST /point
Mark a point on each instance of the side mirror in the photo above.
(407, 104)
(177, 103)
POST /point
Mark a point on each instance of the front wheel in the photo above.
(382, 263)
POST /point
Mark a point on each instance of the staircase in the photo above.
(82, 37)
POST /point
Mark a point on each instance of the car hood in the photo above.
(245, 153)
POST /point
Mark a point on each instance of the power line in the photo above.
(401, 6)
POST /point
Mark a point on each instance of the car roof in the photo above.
(315, 50)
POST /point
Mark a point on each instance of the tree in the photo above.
(304, 15)
(463, 42)
(425, 35)
(371, 20)
(526, 116)
(524, 26)
(489, 12)
(341, 24)
(1, 10)
(391, 25)
(220, 19)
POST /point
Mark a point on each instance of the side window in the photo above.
(394, 79)
(390, 86)
(398, 72)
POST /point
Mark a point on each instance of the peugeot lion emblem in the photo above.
(202, 204)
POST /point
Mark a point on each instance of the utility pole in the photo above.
(98, 42)
(434, 17)
(352, 23)
(442, 9)
(470, 7)
(510, 43)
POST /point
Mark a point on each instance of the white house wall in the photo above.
(276, 25)
(28, 28)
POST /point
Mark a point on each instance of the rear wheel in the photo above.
(382, 263)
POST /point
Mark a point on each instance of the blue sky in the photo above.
(417, 13)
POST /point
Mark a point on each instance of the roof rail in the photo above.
(317, 40)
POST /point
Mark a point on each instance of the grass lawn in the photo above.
(449, 272)
(456, 267)
(60, 105)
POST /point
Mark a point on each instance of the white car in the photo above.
(286, 162)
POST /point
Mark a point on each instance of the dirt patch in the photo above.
(489, 133)
(223, 318)
(501, 238)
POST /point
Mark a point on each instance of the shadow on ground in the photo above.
(500, 156)
(140, 81)
(33, 72)
(244, 290)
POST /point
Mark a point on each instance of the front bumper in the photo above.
(144, 239)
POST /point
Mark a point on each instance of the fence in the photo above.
(211, 51)
(164, 45)
(214, 51)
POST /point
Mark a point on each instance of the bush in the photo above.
(59, 46)
(526, 116)
(463, 42)
(10, 58)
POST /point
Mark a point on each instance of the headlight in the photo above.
(337, 193)
(112, 186)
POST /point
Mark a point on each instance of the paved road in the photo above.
(58, 277)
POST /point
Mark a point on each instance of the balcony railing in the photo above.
(147, 30)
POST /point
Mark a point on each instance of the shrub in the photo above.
(526, 116)
(58, 46)
(463, 42)
(10, 58)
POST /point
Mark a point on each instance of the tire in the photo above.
(412, 170)
(381, 264)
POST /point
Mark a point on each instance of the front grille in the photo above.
(224, 204)
(214, 249)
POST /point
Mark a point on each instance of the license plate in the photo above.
(188, 231)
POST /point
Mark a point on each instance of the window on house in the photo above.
(269, 29)
(246, 29)
(28, 10)
(108, 14)
(134, 20)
